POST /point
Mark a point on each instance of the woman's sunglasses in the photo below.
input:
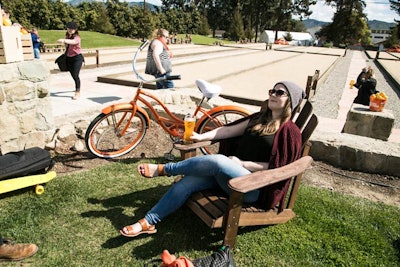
(277, 93)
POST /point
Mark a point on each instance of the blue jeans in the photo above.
(200, 173)
(36, 52)
(165, 83)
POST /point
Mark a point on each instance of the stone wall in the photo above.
(26, 117)
(357, 153)
(364, 122)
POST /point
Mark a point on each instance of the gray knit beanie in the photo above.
(296, 93)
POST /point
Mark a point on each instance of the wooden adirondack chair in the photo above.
(219, 211)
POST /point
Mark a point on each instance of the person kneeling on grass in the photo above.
(267, 139)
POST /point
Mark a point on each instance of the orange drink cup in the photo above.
(189, 128)
(351, 84)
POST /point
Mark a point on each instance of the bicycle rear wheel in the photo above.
(218, 119)
(115, 134)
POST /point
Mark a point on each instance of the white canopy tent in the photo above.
(299, 38)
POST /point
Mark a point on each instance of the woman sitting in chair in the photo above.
(267, 139)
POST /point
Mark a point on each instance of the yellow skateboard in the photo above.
(26, 181)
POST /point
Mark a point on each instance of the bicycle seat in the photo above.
(209, 90)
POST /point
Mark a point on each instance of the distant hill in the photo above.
(373, 24)
(380, 25)
(312, 23)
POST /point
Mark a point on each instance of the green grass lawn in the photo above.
(98, 40)
(76, 222)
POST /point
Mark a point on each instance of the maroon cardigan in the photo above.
(285, 149)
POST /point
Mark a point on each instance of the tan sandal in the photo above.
(144, 170)
(146, 229)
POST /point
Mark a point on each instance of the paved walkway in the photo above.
(246, 73)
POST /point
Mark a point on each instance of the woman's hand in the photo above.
(61, 41)
(250, 165)
(196, 137)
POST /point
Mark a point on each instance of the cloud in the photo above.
(322, 12)
(380, 11)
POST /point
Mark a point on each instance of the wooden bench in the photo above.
(219, 211)
(311, 85)
(27, 47)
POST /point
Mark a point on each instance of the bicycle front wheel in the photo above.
(115, 134)
(218, 119)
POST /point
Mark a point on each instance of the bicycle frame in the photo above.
(172, 124)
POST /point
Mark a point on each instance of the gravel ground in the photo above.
(327, 106)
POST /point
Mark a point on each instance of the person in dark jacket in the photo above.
(366, 84)
(267, 139)
(35, 42)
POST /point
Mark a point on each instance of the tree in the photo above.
(395, 36)
(60, 15)
(395, 5)
(121, 16)
(203, 28)
(248, 30)
(40, 14)
(146, 24)
(282, 17)
(349, 25)
(214, 10)
(259, 14)
(236, 30)
(95, 17)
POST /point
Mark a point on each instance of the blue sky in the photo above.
(375, 10)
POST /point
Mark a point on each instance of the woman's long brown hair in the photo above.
(72, 36)
(265, 125)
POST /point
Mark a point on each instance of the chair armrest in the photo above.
(186, 147)
(259, 179)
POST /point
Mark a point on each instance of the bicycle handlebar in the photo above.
(143, 45)
(174, 77)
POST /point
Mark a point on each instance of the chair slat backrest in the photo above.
(309, 128)
(304, 115)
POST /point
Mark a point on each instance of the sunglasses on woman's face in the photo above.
(277, 93)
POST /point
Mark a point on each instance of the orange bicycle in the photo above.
(120, 128)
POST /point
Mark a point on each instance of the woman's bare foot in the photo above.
(141, 227)
(151, 170)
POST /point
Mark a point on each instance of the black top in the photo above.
(254, 147)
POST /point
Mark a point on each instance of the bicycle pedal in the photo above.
(169, 156)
